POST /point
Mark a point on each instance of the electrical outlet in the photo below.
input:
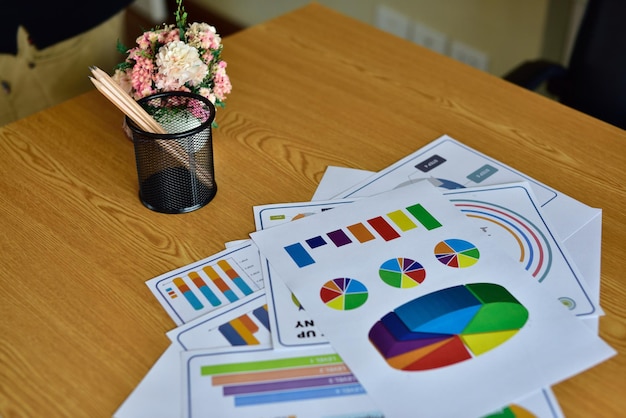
(429, 37)
(470, 56)
(391, 21)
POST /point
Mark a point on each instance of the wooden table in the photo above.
(79, 327)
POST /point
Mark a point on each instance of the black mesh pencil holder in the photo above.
(175, 170)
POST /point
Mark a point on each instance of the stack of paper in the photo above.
(445, 285)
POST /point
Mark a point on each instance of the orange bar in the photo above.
(224, 265)
(181, 285)
(219, 282)
(196, 279)
(248, 323)
(243, 331)
(361, 232)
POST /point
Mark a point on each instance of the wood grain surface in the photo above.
(79, 328)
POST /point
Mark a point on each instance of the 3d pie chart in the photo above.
(448, 326)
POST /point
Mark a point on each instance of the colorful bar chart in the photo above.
(243, 329)
(209, 286)
(283, 379)
(387, 227)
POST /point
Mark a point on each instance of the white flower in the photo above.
(179, 63)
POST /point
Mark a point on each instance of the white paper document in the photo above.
(198, 288)
(413, 296)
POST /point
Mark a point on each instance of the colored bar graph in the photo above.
(204, 289)
(361, 233)
(242, 330)
(220, 283)
(339, 238)
(401, 220)
(383, 228)
(187, 293)
(283, 379)
(235, 277)
(299, 255)
(424, 217)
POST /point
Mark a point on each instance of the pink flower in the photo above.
(222, 81)
(141, 77)
(206, 92)
(123, 79)
(202, 35)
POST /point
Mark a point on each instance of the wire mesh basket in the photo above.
(175, 170)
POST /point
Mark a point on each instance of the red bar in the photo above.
(383, 228)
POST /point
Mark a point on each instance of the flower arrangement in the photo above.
(178, 57)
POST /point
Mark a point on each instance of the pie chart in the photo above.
(343, 294)
(457, 253)
(448, 326)
(402, 273)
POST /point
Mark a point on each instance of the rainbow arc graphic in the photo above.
(448, 326)
(535, 251)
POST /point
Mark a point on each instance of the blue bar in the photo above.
(231, 335)
(315, 242)
(242, 285)
(288, 396)
(230, 295)
(263, 317)
(211, 297)
(299, 255)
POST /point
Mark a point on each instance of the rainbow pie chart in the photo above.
(402, 273)
(448, 326)
(457, 253)
(343, 294)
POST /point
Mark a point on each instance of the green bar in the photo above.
(281, 363)
(424, 217)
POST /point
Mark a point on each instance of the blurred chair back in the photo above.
(594, 81)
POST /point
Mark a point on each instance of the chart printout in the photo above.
(211, 283)
(430, 302)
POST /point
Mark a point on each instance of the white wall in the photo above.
(507, 31)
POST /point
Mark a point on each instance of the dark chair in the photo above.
(594, 81)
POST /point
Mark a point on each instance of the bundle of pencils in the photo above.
(124, 102)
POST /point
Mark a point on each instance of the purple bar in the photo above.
(342, 379)
(339, 238)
